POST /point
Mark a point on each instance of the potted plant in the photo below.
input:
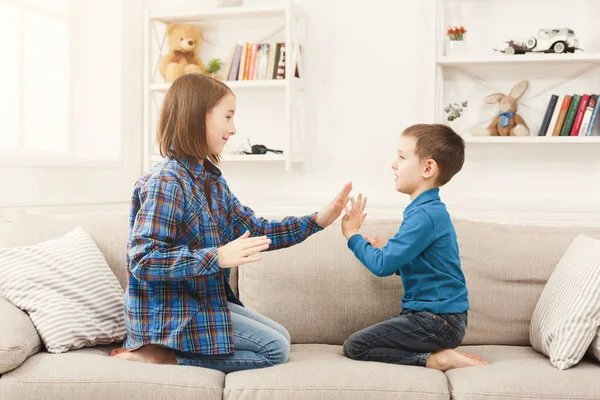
(214, 66)
(456, 44)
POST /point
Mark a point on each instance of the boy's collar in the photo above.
(197, 168)
(426, 196)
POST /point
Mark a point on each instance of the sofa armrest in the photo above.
(19, 339)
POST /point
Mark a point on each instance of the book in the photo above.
(235, 63)
(570, 118)
(548, 115)
(242, 68)
(562, 115)
(587, 115)
(263, 61)
(281, 62)
(252, 60)
(594, 119)
(276, 60)
(271, 60)
(579, 116)
(554, 118)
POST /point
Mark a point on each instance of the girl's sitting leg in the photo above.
(256, 346)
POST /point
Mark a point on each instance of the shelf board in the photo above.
(531, 139)
(223, 13)
(569, 58)
(241, 85)
(253, 157)
(237, 157)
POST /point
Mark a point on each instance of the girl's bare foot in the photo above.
(447, 359)
(150, 353)
(118, 350)
(473, 356)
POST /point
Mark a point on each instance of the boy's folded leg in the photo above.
(408, 338)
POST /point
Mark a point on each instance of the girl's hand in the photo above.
(354, 218)
(375, 242)
(326, 216)
(242, 250)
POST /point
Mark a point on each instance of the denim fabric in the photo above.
(259, 342)
(408, 338)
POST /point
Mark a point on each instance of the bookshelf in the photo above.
(483, 71)
(270, 111)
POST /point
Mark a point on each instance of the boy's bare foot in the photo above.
(150, 353)
(118, 350)
(447, 359)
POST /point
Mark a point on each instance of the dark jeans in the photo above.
(408, 338)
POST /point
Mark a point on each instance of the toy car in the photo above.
(561, 40)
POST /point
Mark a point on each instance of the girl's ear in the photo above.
(494, 98)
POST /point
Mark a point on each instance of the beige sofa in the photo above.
(322, 295)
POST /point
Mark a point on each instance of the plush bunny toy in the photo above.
(507, 122)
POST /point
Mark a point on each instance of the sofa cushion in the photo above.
(71, 295)
(91, 374)
(318, 290)
(567, 315)
(519, 372)
(19, 339)
(506, 268)
(322, 372)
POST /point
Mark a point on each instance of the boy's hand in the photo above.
(326, 216)
(354, 218)
(375, 242)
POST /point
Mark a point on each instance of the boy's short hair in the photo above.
(181, 128)
(440, 143)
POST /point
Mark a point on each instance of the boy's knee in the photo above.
(353, 348)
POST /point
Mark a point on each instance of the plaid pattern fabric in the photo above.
(177, 294)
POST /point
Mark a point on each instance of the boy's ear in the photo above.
(431, 168)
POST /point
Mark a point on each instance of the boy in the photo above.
(424, 253)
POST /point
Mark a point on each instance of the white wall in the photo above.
(370, 70)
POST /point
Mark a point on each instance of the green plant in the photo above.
(214, 65)
(454, 110)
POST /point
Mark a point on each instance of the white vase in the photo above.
(456, 48)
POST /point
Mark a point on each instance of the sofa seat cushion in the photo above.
(90, 373)
(317, 371)
(519, 372)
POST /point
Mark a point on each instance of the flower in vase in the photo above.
(456, 32)
(454, 110)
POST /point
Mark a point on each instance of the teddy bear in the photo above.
(184, 43)
(507, 122)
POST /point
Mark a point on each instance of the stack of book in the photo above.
(570, 115)
(257, 61)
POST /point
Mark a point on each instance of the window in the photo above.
(34, 107)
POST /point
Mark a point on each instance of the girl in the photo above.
(187, 230)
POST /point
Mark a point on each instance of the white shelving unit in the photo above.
(290, 22)
(472, 66)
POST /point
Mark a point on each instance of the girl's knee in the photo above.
(277, 351)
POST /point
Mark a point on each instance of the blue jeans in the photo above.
(259, 342)
(408, 338)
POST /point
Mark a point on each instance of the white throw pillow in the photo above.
(70, 293)
(567, 315)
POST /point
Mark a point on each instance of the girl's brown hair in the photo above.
(182, 126)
